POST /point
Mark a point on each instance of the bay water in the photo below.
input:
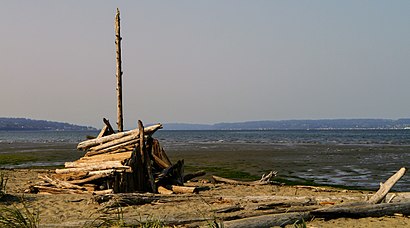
(356, 158)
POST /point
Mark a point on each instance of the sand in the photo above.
(66, 210)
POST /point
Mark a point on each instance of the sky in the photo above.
(205, 61)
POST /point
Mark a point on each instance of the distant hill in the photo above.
(23, 124)
(297, 125)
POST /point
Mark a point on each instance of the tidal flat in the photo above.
(350, 166)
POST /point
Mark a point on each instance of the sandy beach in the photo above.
(187, 210)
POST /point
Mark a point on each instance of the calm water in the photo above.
(331, 137)
(360, 158)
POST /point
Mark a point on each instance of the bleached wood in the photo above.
(263, 181)
(107, 157)
(116, 144)
(164, 191)
(102, 132)
(183, 189)
(52, 190)
(93, 168)
(93, 163)
(59, 183)
(89, 179)
(103, 192)
(385, 188)
(93, 142)
(102, 172)
(119, 70)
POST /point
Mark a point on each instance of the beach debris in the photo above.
(369, 208)
(385, 188)
(130, 161)
(266, 179)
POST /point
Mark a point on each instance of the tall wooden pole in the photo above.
(119, 71)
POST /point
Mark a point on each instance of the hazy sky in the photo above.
(205, 61)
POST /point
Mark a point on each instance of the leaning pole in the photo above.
(118, 38)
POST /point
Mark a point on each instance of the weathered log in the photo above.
(89, 179)
(146, 158)
(363, 209)
(183, 189)
(120, 156)
(60, 183)
(103, 192)
(160, 153)
(102, 132)
(229, 209)
(164, 191)
(52, 190)
(268, 220)
(110, 130)
(191, 176)
(113, 146)
(93, 142)
(71, 176)
(94, 168)
(93, 163)
(385, 188)
(103, 172)
(263, 181)
(162, 164)
(286, 203)
(98, 152)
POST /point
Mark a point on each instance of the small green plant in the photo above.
(300, 224)
(15, 217)
(152, 223)
(215, 223)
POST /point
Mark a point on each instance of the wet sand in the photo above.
(357, 166)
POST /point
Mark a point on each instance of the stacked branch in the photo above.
(131, 161)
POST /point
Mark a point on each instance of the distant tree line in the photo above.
(297, 125)
(23, 124)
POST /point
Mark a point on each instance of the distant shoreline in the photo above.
(321, 124)
(24, 124)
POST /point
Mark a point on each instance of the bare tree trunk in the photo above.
(119, 71)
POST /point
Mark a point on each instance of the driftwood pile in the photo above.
(131, 161)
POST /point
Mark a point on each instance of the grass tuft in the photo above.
(19, 217)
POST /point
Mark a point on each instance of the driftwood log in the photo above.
(385, 188)
(371, 208)
(94, 142)
(268, 220)
(266, 179)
